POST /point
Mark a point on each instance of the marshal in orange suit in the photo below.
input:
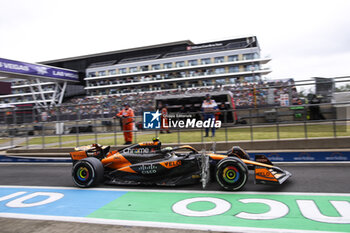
(127, 115)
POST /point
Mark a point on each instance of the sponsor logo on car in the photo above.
(171, 164)
(147, 169)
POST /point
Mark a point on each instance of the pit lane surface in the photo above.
(307, 178)
(328, 178)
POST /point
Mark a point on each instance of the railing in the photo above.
(252, 124)
(178, 68)
(170, 78)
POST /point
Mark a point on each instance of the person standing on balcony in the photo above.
(209, 108)
(127, 115)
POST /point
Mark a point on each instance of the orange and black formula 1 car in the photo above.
(149, 164)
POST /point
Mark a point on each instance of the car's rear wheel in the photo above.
(231, 173)
(87, 172)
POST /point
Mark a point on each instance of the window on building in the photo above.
(180, 64)
(221, 81)
(251, 78)
(219, 59)
(232, 80)
(205, 61)
(102, 73)
(207, 82)
(193, 84)
(249, 56)
(181, 85)
(156, 67)
(92, 74)
(122, 71)
(168, 86)
(168, 65)
(220, 70)
(193, 62)
(208, 71)
(133, 69)
(233, 58)
(112, 72)
(233, 69)
(144, 68)
(252, 68)
(182, 74)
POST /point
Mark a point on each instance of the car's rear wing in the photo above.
(269, 174)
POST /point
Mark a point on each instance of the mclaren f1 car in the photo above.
(150, 164)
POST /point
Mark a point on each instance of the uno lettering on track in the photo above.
(229, 211)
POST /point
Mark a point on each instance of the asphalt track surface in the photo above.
(327, 178)
(313, 178)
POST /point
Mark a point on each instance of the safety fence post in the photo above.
(42, 135)
(115, 131)
(278, 130)
(27, 139)
(59, 131)
(11, 136)
(135, 130)
(33, 115)
(225, 121)
(251, 125)
(77, 132)
(277, 124)
(305, 129)
(94, 128)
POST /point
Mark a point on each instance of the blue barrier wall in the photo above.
(302, 156)
(12, 159)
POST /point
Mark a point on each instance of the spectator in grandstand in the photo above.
(164, 119)
(209, 107)
(127, 116)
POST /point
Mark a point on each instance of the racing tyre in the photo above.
(87, 172)
(231, 173)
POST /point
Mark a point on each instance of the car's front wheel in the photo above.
(231, 173)
(87, 172)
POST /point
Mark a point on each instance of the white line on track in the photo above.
(153, 224)
(178, 191)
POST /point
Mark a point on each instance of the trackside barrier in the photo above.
(19, 159)
(302, 156)
(295, 156)
(251, 122)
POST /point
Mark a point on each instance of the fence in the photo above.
(68, 130)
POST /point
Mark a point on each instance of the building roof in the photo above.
(183, 42)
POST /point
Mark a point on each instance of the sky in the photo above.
(305, 38)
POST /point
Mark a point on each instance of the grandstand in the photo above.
(169, 67)
(138, 75)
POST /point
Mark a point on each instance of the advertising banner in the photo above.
(23, 68)
(302, 156)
